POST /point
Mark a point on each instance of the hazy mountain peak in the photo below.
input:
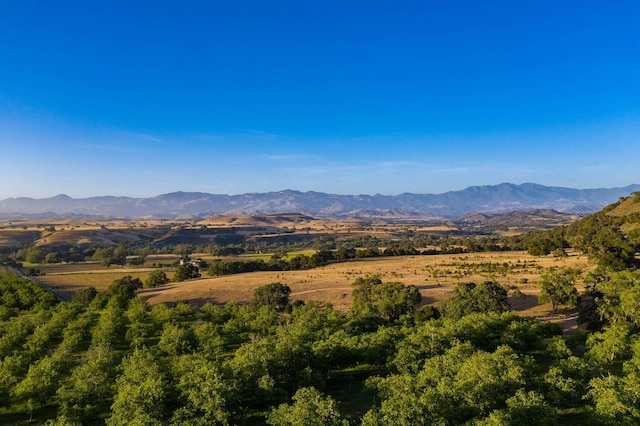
(499, 198)
(61, 197)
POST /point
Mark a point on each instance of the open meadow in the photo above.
(66, 279)
(434, 275)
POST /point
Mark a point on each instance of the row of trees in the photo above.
(277, 263)
(108, 357)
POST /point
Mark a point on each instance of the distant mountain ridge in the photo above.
(500, 198)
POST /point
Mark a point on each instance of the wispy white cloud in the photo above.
(143, 137)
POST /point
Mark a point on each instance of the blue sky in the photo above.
(142, 98)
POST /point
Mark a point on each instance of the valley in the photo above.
(285, 307)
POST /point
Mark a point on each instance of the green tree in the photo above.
(389, 300)
(557, 285)
(615, 295)
(426, 313)
(42, 380)
(156, 278)
(393, 299)
(120, 255)
(275, 295)
(84, 395)
(210, 340)
(176, 340)
(567, 381)
(35, 255)
(141, 391)
(612, 342)
(309, 408)
(204, 393)
(456, 387)
(186, 271)
(140, 329)
(183, 250)
(84, 296)
(110, 325)
(600, 236)
(523, 408)
(617, 398)
(104, 255)
(613, 402)
(470, 298)
(51, 258)
(124, 288)
(137, 311)
(137, 261)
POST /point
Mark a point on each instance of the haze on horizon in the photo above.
(144, 98)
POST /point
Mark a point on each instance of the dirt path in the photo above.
(62, 294)
(321, 289)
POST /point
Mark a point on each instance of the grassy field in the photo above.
(267, 256)
(67, 278)
(434, 275)
(67, 283)
(70, 277)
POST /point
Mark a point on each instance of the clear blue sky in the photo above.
(140, 98)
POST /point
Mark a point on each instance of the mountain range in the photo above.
(500, 198)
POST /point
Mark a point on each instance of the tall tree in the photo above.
(309, 408)
(141, 391)
(206, 395)
(186, 271)
(470, 298)
(156, 278)
(557, 285)
(89, 387)
(275, 295)
(387, 300)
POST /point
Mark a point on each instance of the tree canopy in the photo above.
(557, 285)
(468, 298)
(389, 300)
(186, 271)
(275, 295)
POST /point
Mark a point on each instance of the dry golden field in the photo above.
(295, 223)
(82, 234)
(65, 284)
(265, 228)
(435, 276)
(67, 278)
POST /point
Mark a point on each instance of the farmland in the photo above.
(434, 275)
